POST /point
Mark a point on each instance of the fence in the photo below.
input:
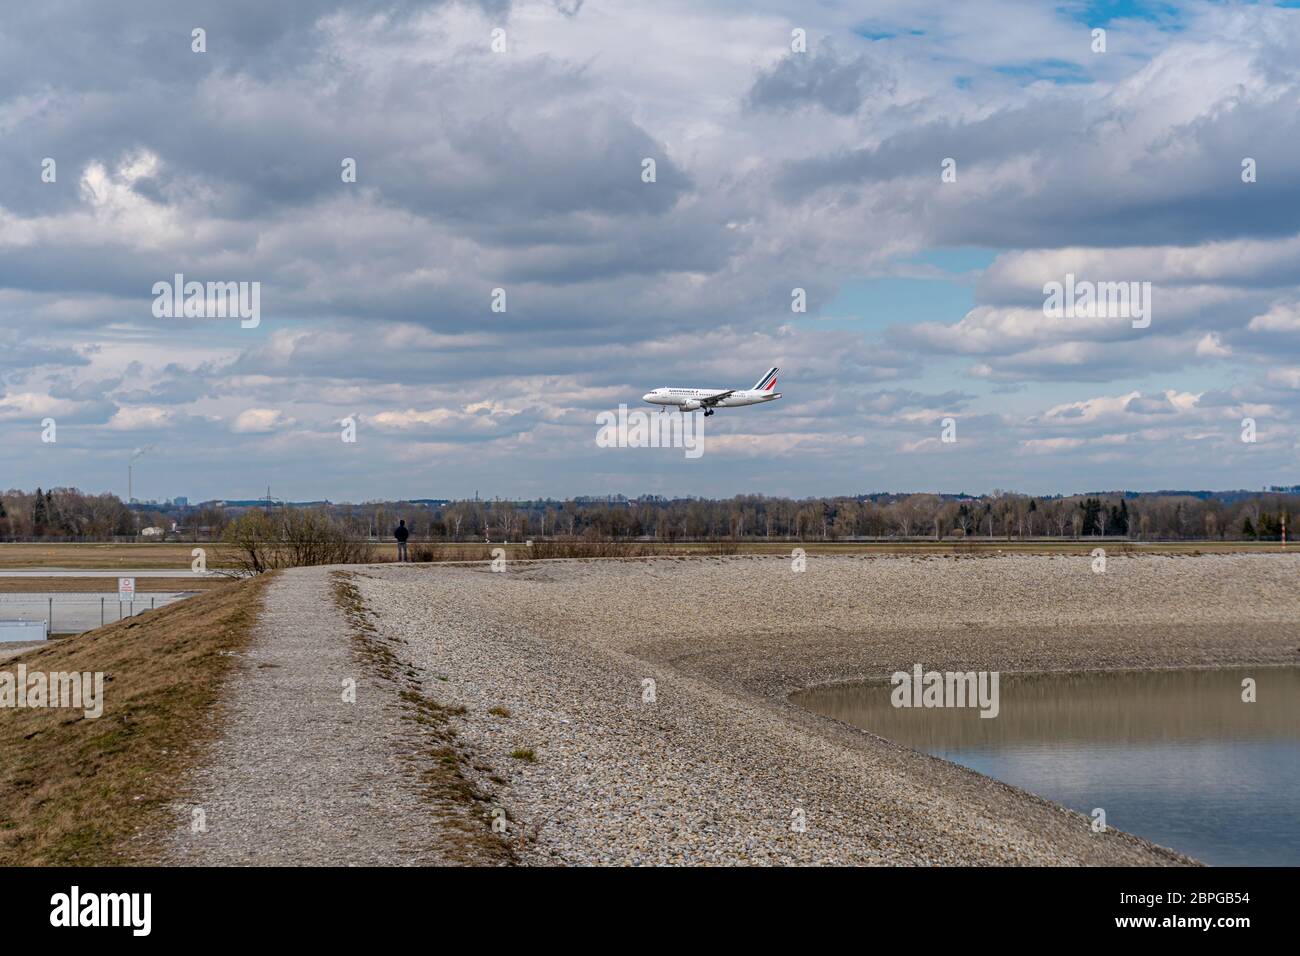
(74, 613)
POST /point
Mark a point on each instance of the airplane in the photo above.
(690, 399)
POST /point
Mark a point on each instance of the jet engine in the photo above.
(691, 406)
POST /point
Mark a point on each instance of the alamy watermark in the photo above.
(213, 300)
(130, 910)
(75, 691)
(642, 429)
(922, 688)
(1084, 299)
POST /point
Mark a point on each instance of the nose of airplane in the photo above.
(648, 396)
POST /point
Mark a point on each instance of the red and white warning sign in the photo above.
(126, 589)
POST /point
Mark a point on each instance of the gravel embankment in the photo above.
(298, 775)
(718, 766)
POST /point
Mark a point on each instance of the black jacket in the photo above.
(401, 532)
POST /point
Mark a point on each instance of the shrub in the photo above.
(261, 541)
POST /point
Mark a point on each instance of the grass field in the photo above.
(106, 585)
(108, 557)
(162, 556)
(78, 791)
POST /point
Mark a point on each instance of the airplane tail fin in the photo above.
(766, 383)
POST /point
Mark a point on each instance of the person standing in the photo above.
(401, 534)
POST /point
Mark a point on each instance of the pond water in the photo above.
(1173, 756)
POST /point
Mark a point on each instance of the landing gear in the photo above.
(708, 412)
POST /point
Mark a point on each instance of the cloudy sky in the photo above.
(775, 169)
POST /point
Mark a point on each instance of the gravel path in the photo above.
(637, 712)
(298, 776)
(721, 767)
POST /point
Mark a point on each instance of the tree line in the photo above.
(749, 517)
(69, 514)
(63, 514)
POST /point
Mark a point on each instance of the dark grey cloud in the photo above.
(18, 354)
(838, 85)
(84, 391)
(1081, 166)
(175, 385)
(1150, 405)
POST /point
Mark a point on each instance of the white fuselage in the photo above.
(690, 399)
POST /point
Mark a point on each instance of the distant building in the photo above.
(181, 501)
(152, 533)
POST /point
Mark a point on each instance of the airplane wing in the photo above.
(714, 399)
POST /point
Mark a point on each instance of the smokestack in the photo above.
(136, 454)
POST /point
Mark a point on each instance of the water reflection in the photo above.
(1174, 756)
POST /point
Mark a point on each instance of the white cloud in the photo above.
(1283, 317)
(140, 417)
(19, 406)
(260, 420)
(1210, 346)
